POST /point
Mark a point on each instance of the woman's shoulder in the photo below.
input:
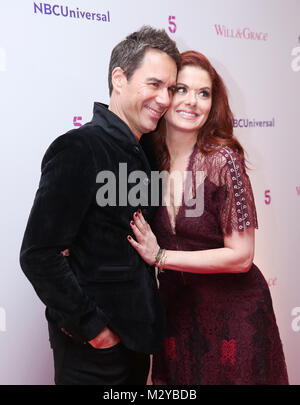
(223, 156)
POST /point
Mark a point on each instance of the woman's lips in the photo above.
(187, 114)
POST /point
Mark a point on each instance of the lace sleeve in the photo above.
(238, 211)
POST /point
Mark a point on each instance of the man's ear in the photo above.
(118, 79)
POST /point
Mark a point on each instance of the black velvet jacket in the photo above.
(103, 282)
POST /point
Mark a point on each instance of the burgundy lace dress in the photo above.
(221, 328)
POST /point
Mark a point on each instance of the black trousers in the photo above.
(80, 364)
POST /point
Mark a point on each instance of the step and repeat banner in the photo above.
(54, 58)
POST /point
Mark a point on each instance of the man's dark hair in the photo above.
(130, 52)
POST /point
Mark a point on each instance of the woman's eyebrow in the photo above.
(200, 88)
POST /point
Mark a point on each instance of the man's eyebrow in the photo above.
(154, 79)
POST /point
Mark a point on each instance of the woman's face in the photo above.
(192, 100)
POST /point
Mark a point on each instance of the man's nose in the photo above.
(164, 98)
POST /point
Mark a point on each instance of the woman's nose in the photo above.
(191, 98)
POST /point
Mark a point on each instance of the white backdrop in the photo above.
(53, 66)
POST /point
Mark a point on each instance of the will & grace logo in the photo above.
(240, 33)
(65, 11)
(253, 123)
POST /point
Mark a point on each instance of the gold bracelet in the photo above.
(162, 261)
(158, 256)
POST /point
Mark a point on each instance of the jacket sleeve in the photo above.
(65, 192)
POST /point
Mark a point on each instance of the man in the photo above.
(103, 309)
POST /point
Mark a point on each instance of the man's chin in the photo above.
(150, 127)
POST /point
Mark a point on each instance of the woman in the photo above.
(221, 327)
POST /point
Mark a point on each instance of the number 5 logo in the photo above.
(267, 197)
(75, 121)
(172, 25)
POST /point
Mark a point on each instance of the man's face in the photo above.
(146, 96)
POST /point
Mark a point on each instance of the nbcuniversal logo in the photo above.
(65, 11)
(253, 123)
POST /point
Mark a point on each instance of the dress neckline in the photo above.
(172, 225)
